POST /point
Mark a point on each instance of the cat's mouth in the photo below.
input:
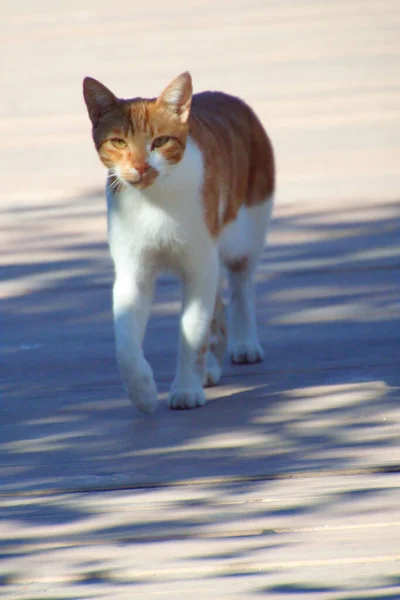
(144, 182)
(141, 180)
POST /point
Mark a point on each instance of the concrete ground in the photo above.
(286, 484)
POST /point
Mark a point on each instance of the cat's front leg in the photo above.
(199, 293)
(132, 298)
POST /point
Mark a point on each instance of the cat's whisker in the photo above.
(115, 181)
(115, 187)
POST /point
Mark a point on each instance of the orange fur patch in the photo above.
(238, 156)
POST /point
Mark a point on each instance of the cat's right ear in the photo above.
(99, 100)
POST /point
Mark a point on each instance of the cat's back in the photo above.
(217, 109)
(225, 124)
(215, 101)
(237, 152)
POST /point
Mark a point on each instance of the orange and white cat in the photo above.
(190, 189)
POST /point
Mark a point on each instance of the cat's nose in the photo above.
(141, 168)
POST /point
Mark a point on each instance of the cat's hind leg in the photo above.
(216, 345)
(242, 248)
(244, 345)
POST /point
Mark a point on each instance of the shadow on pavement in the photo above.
(324, 401)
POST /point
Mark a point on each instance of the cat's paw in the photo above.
(142, 393)
(213, 370)
(189, 397)
(243, 353)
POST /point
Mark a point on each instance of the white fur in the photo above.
(163, 227)
(157, 161)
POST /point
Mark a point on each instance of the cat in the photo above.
(190, 189)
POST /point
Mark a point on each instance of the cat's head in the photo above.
(139, 139)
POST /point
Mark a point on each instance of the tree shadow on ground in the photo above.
(324, 401)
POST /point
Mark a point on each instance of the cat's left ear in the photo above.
(177, 97)
(99, 99)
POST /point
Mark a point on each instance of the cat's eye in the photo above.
(160, 141)
(118, 143)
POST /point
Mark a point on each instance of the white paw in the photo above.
(142, 392)
(189, 397)
(213, 370)
(246, 353)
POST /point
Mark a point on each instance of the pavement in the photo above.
(286, 484)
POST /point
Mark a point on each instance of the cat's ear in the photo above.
(177, 97)
(99, 100)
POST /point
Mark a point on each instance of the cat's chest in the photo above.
(136, 224)
(167, 233)
(165, 221)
